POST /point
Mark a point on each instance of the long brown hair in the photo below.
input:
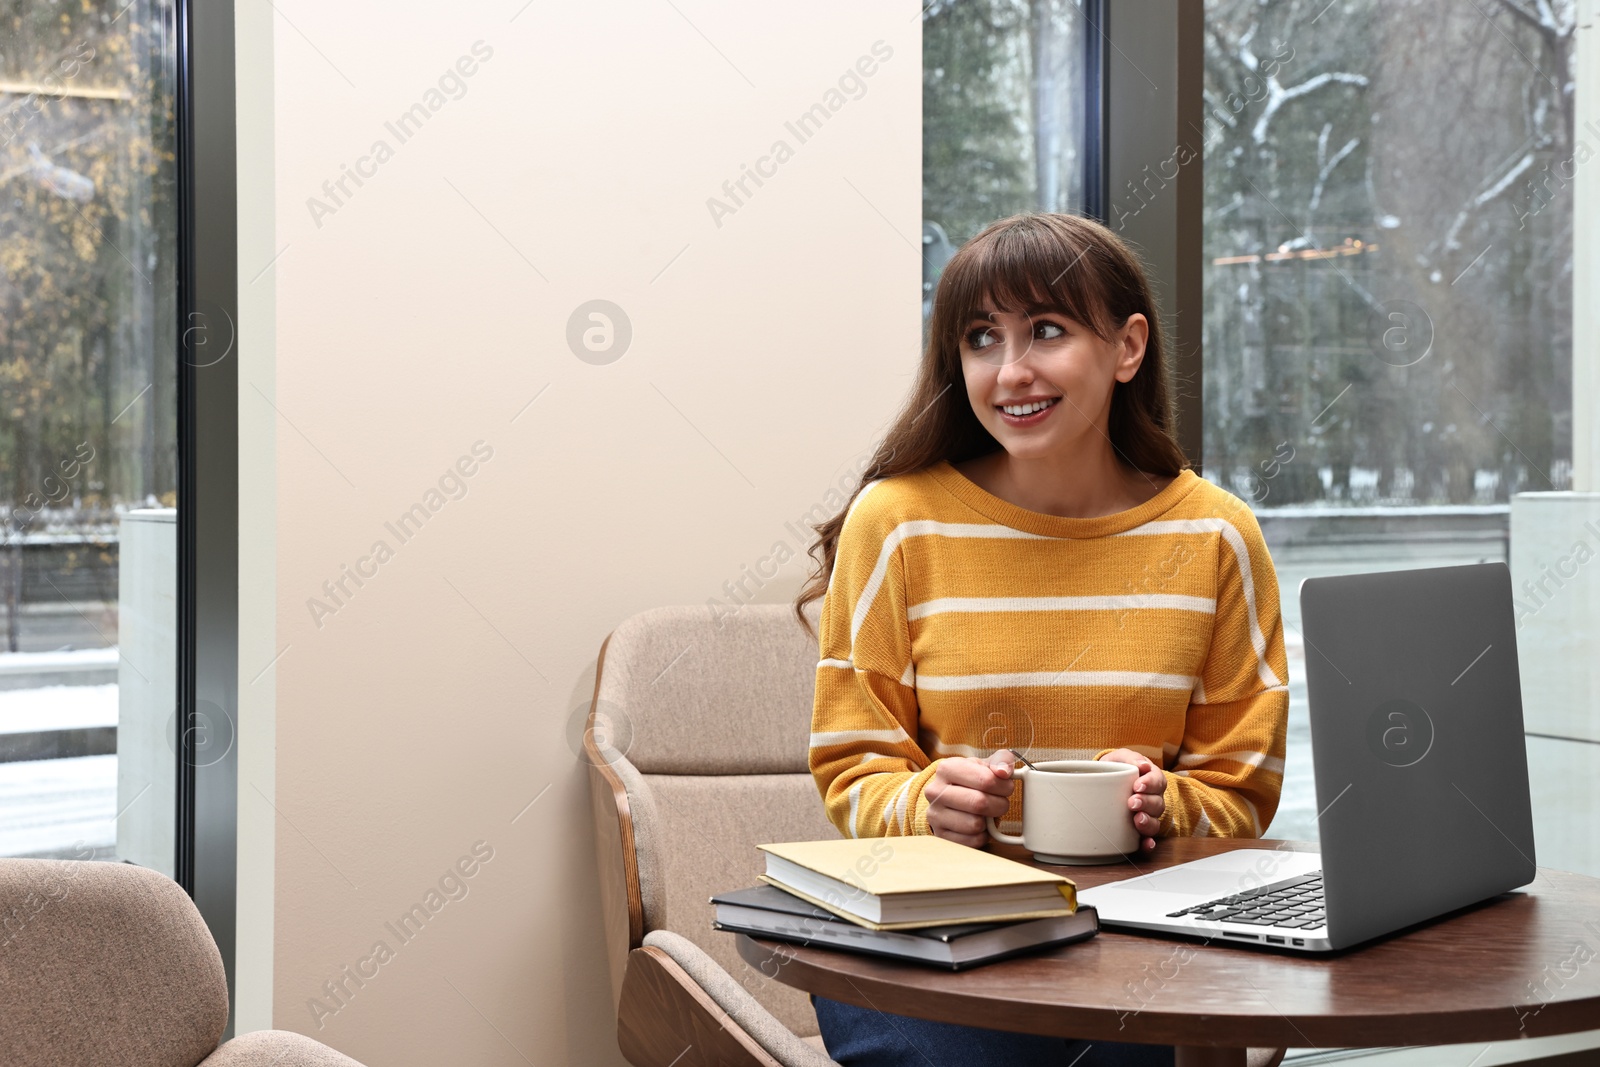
(1094, 278)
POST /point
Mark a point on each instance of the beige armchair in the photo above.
(696, 743)
(109, 963)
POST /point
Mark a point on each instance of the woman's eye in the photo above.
(1059, 331)
(980, 338)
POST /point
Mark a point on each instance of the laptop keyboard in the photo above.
(1296, 903)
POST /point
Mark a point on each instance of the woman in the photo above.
(1029, 565)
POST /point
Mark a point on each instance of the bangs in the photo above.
(1031, 267)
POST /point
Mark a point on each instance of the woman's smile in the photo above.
(1027, 412)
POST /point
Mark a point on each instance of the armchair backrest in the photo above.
(104, 963)
(699, 732)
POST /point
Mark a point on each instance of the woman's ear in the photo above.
(1131, 340)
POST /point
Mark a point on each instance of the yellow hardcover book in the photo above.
(915, 924)
(907, 882)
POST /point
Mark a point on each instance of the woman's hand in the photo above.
(1149, 799)
(964, 791)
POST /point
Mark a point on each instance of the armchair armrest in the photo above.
(678, 980)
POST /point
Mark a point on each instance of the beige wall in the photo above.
(421, 316)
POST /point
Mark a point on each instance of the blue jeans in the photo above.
(862, 1036)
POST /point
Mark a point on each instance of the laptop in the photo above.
(1421, 775)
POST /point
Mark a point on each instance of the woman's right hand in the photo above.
(965, 791)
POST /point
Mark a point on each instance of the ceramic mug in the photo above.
(1075, 811)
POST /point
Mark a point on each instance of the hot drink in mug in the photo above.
(1075, 812)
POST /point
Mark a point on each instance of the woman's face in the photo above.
(1052, 373)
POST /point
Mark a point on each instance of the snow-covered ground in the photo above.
(57, 707)
(56, 804)
(64, 661)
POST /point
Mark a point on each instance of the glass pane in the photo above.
(88, 458)
(1002, 118)
(1388, 269)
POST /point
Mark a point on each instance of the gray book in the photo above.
(767, 911)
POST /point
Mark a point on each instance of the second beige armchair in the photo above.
(697, 752)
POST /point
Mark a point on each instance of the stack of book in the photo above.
(920, 898)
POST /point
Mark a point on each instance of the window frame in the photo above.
(1141, 122)
(208, 478)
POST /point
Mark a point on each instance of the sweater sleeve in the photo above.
(864, 752)
(1228, 773)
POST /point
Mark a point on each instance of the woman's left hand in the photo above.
(1149, 799)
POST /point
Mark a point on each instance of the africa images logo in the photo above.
(1399, 732)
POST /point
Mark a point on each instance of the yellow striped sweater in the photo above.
(956, 623)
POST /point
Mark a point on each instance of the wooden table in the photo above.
(1523, 964)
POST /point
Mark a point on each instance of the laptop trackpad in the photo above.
(1223, 874)
(1187, 882)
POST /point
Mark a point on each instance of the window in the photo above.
(1388, 285)
(1002, 118)
(88, 430)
